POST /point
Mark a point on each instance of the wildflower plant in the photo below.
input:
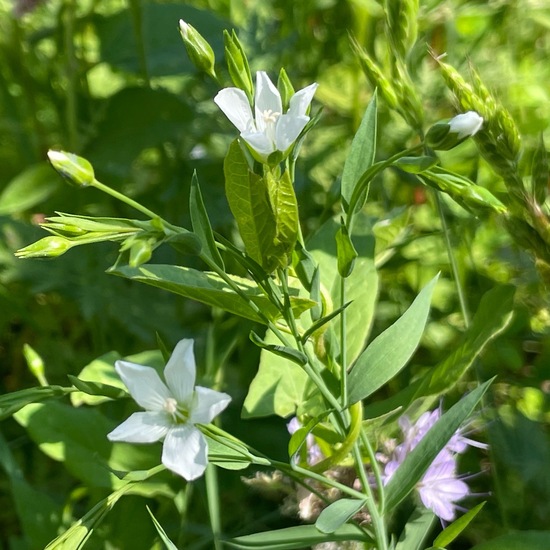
(311, 303)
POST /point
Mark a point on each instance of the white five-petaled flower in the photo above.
(268, 130)
(466, 125)
(171, 411)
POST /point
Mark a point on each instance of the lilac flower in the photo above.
(440, 487)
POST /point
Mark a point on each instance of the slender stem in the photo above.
(343, 345)
(212, 495)
(70, 68)
(375, 469)
(452, 260)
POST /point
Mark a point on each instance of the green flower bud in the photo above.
(48, 247)
(446, 135)
(35, 364)
(237, 64)
(76, 169)
(285, 88)
(198, 49)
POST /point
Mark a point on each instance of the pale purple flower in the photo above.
(171, 411)
(440, 487)
(268, 130)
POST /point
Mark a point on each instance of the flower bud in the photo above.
(76, 169)
(198, 49)
(285, 88)
(48, 247)
(446, 135)
(35, 364)
(237, 63)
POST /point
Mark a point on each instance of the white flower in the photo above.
(466, 125)
(269, 130)
(171, 411)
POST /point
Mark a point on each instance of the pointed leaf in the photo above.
(210, 289)
(362, 152)
(162, 534)
(201, 223)
(416, 463)
(452, 531)
(338, 513)
(249, 202)
(346, 252)
(521, 540)
(10, 403)
(282, 351)
(391, 351)
(416, 530)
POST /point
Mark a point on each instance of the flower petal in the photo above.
(266, 99)
(466, 124)
(180, 371)
(141, 427)
(208, 404)
(144, 384)
(288, 129)
(301, 100)
(185, 451)
(259, 142)
(234, 104)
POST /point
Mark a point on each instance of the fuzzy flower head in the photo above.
(441, 487)
(171, 411)
(268, 129)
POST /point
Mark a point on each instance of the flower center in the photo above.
(179, 414)
(270, 116)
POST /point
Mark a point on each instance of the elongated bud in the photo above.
(140, 252)
(237, 64)
(48, 247)
(198, 49)
(76, 169)
(446, 135)
(35, 364)
(285, 88)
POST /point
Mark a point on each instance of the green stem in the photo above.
(212, 495)
(452, 260)
(70, 69)
(343, 345)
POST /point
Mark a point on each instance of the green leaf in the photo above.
(210, 289)
(391, 351)
(346, 252)
(285, 210)
(362, 152)
(493, 315)
(539, 172)
(419, 459)
(282, 351)
(417, 530)
(29, 189)
(520, 540)
(38, 514)
(278, 387)
(249, 202)
(452, 531)
(228, 453)
(201, 223)
(95, 388)
(162, 534)
(297, 538)
(10, 403)
(338, 513)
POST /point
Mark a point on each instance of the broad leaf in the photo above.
(210, 289)
(390, 352)
(249, 202)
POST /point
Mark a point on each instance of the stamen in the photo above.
(270, 116)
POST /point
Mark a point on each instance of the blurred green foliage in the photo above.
(111, 80)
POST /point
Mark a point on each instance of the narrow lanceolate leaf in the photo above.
(10, 403)
(346, 252)
(282, 351)
(492, 317)
(391, 351)
(285, 211)
(452, 531)
(540, 172)
(249, 202)
(415, 534)
(521, 540)
(297, 538)
(162, 533)
(419, 459)
(361, 155)
(338, 513)
(210, 289)
(201, 223)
